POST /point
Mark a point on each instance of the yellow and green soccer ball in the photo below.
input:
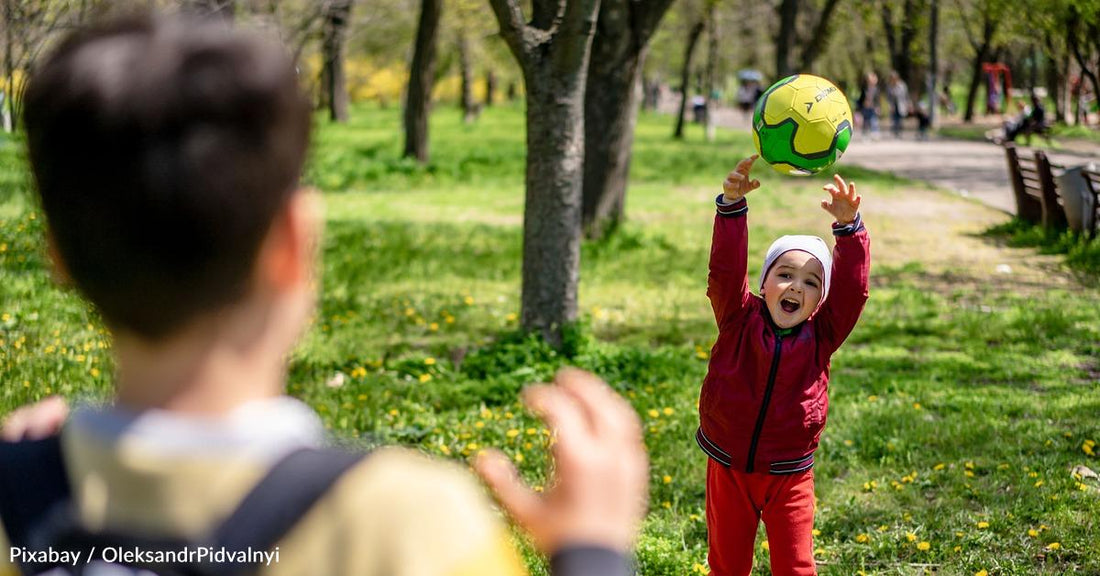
(802, 124)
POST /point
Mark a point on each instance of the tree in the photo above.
(789, 36)
(418, 99)
(902, 35)
(623, 31)
(337, 13)
(553, 51)
(27, 27)
(989, 14)
(685, 75)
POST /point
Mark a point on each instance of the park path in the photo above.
(943, 232)
(971, 169)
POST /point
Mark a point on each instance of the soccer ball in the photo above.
(802, 124)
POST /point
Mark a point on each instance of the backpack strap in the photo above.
(32, 482)
(266, 514)
(281, 499)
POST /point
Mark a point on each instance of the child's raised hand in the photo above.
(737, 184)
(844, 204)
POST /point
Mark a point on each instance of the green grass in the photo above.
(1081, 252)
(952, 406)
(1060, 136)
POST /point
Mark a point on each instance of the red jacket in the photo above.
(765, 397)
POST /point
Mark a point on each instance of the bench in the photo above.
(1092, 178)
(1040, 129)
(1035, 189)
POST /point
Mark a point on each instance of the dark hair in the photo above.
(163, 147)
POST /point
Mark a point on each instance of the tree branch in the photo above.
(512, 28)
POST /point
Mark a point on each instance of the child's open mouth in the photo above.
(789, 306)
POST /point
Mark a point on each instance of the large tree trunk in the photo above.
(788, 19)
(685, 77)
(1055, 77)
(418, 100)
(553, 51)
(337, 15)
(10, 120)
(611, 108)
(469, 107)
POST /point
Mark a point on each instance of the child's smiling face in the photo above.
(792, 288)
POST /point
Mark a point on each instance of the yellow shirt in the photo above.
(396, 513)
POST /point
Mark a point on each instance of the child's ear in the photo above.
(287, 256)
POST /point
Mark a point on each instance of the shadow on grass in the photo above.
(1082, 252)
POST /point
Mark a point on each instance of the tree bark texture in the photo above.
(337, 15)
(623, 31)
(490, 88)
(685, 77)
(553, 51)
(711, 74)
(975, 82)
(418, 100)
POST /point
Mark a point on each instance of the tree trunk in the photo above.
(469, 107)
(685, 77)
(788, 20)
(418, 100)
(975, 83)
(1055, 77)
(337, 14)
(820, 37)
(553, 51)
(490, 88)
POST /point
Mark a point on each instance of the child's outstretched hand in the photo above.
(845, 202)
(737, 184)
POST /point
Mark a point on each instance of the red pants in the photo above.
(736, 502)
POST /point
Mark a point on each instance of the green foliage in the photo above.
(952, 404)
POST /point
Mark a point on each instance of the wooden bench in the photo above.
(1035, 189)
(1092, 177)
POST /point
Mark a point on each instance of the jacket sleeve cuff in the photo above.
(582, 560)
(738, 208)
(848, 229)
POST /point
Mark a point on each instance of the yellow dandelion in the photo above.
(479, 424)
(765, 546)
(519, 457)
(471, 446)
(983, 525)
(511, 317)
(429, 361)
(981, 573)
(969, 473)
(445, 450)
(654, 414)
(883, 528)
(848, 442)
(531, 431)
(969, 465)
(433, 326)
(699, 568)
(910, 536)
(6, 317)
(1054, 546)
(872, 398)
(819, 552)
(512, 433)
(1039, 483)
(816, 532)
(916, 405)
(666, 479)
(469, 300)
(393, 412)
(863, 538)
(409, 311)
(923, 546)
(666, 504)
(1032, 532)
(94, 372)
(668, 411)
(939, 466)
(957, 549)
(424, 378)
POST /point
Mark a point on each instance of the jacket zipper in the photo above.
(764, 405)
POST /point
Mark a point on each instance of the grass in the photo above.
(1060, 136)
(958, 410)
(1081, 252)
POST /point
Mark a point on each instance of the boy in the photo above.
(167, 155)
(764, 399)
